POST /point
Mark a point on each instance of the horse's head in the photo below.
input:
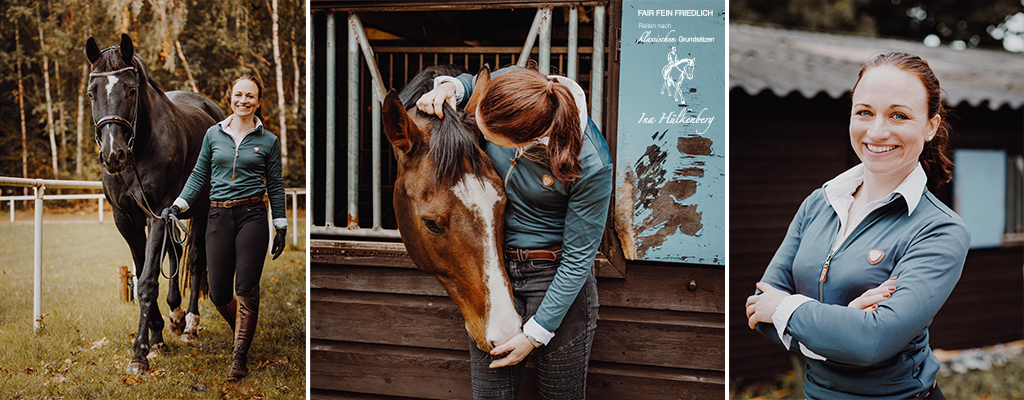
(116, 84)
(449, 203)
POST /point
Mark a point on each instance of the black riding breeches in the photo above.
(236, 248)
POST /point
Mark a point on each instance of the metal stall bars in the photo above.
(357, 40)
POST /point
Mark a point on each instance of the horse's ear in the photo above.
(127, 49)
(482, 78)
(401, 131)
(92, 50)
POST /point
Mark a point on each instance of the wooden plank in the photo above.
(429, 373)
(393, 254)
(666, 287)
(630, 336)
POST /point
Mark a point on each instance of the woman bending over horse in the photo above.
(558, 181)
(872, 255)
(237, 157)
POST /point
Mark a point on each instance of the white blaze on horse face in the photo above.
(111, 81)
(480, 197)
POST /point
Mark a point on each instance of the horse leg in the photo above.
(135, 236)
(197, 269)
(149, 290)
(176, 315)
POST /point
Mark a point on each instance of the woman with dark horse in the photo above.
(558, 181)
(241, 161)
(872, 255)
(148, 143)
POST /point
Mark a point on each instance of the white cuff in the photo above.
(537, 332)
(280, 223)
(460, 91)
(782, 313)
(181, 203)
(810, 354)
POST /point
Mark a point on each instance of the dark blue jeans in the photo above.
(562, 363)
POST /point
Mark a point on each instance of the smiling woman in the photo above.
(892, 252)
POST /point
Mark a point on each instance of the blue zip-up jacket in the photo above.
(572, 215)
(234, 174)
(881, 354)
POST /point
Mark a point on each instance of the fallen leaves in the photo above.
(131, 380)
(99, 343)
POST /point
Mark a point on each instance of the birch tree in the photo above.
(49, 101)
(281, 109)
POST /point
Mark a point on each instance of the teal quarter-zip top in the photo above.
(238, 170)
(879, 354)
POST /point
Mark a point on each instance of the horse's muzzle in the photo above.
(114, 162)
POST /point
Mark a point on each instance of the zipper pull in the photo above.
(512, 162)
(824, 271)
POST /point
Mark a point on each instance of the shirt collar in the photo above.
(847, 183)
(224, 124)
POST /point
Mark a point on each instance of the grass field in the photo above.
(85, 343)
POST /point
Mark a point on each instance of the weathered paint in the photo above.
(670, 178)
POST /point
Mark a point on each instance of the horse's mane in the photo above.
(452, 147)
(110, 60)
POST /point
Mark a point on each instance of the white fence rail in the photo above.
(40, 186)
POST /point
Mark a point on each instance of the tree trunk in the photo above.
(188, 72)
(81, 117)
(21, 106)
(49, 102)
(281, 109)
(61, 122)
(295, 87)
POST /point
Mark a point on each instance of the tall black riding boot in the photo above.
(245, 329)
(230, 313)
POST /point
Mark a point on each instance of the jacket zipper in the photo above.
(828, 260)
(237, 145)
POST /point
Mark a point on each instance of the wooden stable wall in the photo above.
(781, 152)
(381, 327)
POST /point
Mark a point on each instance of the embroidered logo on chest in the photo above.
(547, 180)
(257, 149)
(875, 256)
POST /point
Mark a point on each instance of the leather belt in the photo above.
(235, 203)
(520, 255)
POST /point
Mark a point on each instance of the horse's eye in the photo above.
(431, 226)
(132, 92)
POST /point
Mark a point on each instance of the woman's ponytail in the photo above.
(565, 135)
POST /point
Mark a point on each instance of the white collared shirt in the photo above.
(839, 194)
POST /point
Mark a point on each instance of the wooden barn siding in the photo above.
(391, 330)
(779, 154)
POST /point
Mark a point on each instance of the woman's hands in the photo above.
(432, 101)
(870, 299)
(518, 347)
(760, 307)
(279, 238)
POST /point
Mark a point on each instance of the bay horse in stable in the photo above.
(449, 203)
(148, 144)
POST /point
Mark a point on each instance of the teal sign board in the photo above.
(670, 174)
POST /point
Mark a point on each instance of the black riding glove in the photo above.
(279, 242)
(172, 210)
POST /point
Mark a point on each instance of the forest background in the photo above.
(45, 118)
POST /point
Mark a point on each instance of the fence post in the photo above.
(101, 210)
(12, 211)
(37, 284)
(295, 219)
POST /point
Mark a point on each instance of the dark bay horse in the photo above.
(449, 203)
(148, 144)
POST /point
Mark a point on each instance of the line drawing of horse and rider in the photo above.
(674, 85)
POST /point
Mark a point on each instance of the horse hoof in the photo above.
(177, 318)
(188, 337)
(137, 367)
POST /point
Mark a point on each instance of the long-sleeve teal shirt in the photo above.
(880, 354)
(249, 170)
(572, 215)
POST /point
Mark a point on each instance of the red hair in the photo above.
(522, 105)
